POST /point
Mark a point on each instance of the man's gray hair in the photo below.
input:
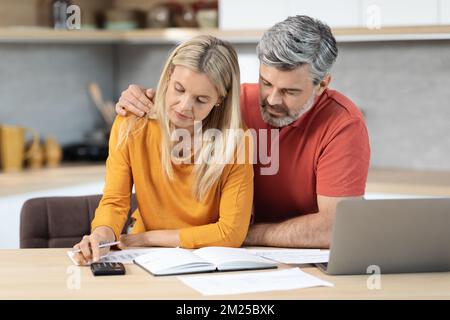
(296, 41)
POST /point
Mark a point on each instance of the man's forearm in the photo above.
(307, 231)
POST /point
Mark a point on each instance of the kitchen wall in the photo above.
(44, 86)
(403, 89)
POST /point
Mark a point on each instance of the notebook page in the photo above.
(167, 258)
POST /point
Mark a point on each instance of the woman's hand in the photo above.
(89, 245)
(136, 100)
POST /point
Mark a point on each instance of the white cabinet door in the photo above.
(259, 14)
(251, 14)
(262, 14)
(337, 14)
(444, 12)
(402, 12)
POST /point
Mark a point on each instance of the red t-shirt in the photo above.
(326, 151)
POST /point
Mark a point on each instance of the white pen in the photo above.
(103, 245)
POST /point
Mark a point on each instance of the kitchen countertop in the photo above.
(413, 182)
(395, 181)
(50, 178)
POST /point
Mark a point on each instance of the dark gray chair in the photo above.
(59, 222)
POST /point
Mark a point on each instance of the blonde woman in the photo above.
(191, 193)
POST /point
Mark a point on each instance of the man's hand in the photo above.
(136, 100)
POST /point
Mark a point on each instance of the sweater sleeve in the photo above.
(115, 203)
(234, 210)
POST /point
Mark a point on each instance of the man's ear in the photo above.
(323, 84)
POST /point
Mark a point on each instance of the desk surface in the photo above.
(44, 274)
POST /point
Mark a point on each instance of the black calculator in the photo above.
(107, 268)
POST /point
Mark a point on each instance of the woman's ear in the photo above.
(219, 102)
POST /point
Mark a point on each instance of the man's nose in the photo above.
(274, 98)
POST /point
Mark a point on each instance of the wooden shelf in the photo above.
(140, 36)
(393, 33)
(44, 35)
(175, 35)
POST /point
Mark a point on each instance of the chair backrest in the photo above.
(59, 222)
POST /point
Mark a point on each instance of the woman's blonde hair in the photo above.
(218, 60)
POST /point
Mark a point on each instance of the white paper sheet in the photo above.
(294, 256)
(224, 284)
(125, 256)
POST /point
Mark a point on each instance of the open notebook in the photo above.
(169, 261)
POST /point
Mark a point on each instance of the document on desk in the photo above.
(294, 256)
(124, 256)
(260, 281)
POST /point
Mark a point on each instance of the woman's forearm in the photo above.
(154, 238)
(163, 238)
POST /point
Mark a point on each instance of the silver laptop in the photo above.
(392, 236)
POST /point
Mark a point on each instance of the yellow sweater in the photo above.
(221, 219)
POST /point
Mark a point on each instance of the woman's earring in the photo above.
(217, 105)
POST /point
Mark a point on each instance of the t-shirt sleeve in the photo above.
(343, 163)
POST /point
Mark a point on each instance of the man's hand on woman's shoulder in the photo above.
(136, 100)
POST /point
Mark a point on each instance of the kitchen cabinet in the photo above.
(444, 12)
(337, 14)
(402, 12)
(254, 14)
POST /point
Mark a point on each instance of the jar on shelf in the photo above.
(206, 14)
(53, 152)
(35, 153)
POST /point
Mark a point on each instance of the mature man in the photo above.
(323, 142)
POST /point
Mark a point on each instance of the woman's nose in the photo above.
(186, 104)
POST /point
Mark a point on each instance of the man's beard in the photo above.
(290, 116)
